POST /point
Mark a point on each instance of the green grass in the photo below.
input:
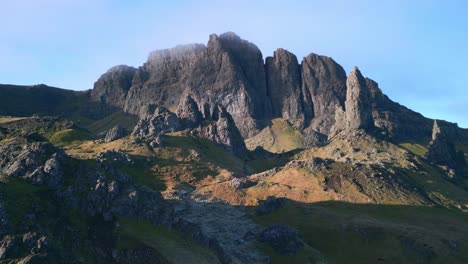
(279, 137)
(364, 233)
(441, 189)
(261, 162)
(141, 172)
(20, 197)
(101, 126)
(209, 151)
(306, 255)
(69, 136)
(415, 148)
(170, 244)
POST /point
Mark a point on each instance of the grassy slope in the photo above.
(67, 137)
(279, 137)
(363, 233)
(169, 243)
(100, 126)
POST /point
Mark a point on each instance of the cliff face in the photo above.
(315, 95)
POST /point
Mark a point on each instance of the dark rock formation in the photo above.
(284, 87)
(323, 89)
(358, 102)
(229, 71)
(232, 74)
(215, 124)
(442, 152)
(115, 133)
(189, 112)
(163, 78)
(112, 87)
(282, 239)
(153, 126)
(221, 129)
(28, 163)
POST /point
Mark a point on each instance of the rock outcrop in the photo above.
(27, 162)
(358, 103)
(154, 125)
(232, 74)
(284, 87)
(324, 89)
(112, 87)
(188, 112)
(212, 123)
(442, 152)
(115, 133)
(358, 106)
(221, 129)
(230, 71)
(163, 78)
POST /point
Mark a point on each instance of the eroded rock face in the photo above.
(163, 78)
(358, 102)
(36, 162)
(229, 71)
(439, 151)
(188, 112)
(221, 129)
(284, 87)
(215, 124)
(115, 133)
(232, 74)
(112, 87)
(323, 89)
(442, 152)
(154, 125)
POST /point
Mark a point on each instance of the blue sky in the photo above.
(416, 50)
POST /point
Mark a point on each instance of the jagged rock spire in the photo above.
(435, 131)
(358, 103)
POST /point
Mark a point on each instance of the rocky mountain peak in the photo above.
(323, 89)
(312, 95)
(284, 86)
(112, 87)
(177, 52)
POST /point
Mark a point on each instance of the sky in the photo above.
(416, 50)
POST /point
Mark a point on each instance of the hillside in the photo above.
(211, 154)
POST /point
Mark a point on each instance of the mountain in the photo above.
(215, 154)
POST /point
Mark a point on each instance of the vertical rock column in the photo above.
(358, 103)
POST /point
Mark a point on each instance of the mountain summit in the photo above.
(231, 72)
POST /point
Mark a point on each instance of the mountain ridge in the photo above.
(213, 154)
